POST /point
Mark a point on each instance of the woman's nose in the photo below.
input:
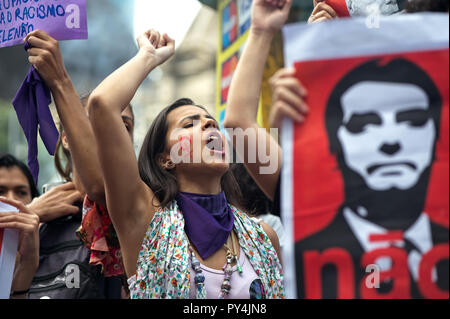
(209, 123)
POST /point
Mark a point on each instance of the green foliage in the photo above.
(13, 141)
(4, 110)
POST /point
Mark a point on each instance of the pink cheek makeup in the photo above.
(185, 145)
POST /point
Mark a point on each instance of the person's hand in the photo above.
(27, 259)
(322, 12)
(287, 98)
(159, 47)
(58, 202)
(269, 15)
(46, 58)
(27, 223)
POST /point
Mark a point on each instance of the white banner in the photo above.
(9, 240)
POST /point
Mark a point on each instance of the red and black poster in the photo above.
(365, 180)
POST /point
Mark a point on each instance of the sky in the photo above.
(173, 17)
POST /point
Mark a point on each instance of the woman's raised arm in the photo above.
(268, 16)
(129, 200)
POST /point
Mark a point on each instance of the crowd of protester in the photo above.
(150, 227)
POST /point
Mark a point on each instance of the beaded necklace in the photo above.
(199, 279)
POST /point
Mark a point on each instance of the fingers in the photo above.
(62, 209)
(37, 56)
(322, 12)
(288, 98)
(322, 6)
(276, 3)
(64, 187)
(154, 38)
(287, 6)
(320, 19)
(36, 42)
(287, 77)
(40, 39)
(38, 34)
(168, 41)
(321, 16)
(74, 196)
(19, 205)
(70, 209)
(282, 73)
(22, 222)
(44, 55)
(281, 110)
(289, 94)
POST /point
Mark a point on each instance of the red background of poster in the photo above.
(340, 6)
(318, 189)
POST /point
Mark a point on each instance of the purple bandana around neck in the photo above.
(31, 103)
(209, 221)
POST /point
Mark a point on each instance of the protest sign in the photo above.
(234, 29)
(365, 180)
(62, 19)
(8, 248)
(347, 8)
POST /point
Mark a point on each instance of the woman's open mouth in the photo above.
(214, 142)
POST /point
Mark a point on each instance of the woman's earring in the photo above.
(169, 165)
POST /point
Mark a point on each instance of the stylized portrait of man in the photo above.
(366, 7)
(383, 122)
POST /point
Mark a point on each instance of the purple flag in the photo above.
(62, 19)
(31, 104)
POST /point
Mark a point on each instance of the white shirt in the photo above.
(419, 234)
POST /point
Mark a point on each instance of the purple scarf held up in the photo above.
(209, 221)
(31, 103)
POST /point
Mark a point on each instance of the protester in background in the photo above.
(160, 196)
(60, 246)
(255, 202)
(242, 106)
(17, 188)
(289, 102)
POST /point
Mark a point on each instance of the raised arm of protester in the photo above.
(27, 261)
(128, 197)
(46, 58)
(322, 12)
(242, 107)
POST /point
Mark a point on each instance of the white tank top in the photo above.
(245, 286)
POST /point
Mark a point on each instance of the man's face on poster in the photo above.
(368, 7)
(388, 134)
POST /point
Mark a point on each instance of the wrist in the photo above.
(260, 41)
(62, 85)
(147, 59)
(266, 34)
(35, 208)
(27, 266)
(22, 280)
